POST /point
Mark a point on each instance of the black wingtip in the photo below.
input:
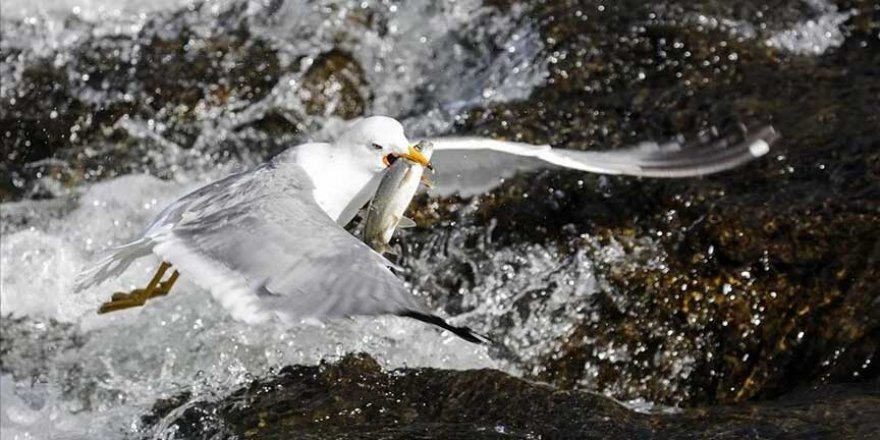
(462, 332)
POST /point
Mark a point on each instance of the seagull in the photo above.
(270, 242)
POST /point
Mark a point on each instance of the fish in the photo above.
(396, 190)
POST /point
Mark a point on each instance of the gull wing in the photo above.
(262, 246)
(470, 165)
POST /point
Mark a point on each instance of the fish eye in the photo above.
(376, 146)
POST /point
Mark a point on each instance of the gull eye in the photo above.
(376, 146)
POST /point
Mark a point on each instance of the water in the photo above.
(69, 373)
(818, 31)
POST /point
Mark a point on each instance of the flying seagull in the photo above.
(270, 243)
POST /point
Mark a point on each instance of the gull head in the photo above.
(377, 142)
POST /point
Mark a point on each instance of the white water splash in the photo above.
(812, 37)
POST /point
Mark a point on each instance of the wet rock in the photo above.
(355, 398)
(335, 85)
(62, 116)
(124, 103)
(223, 68)
(756, 281)
(36, 121)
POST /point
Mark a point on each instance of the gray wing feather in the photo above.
(472, 165)
(112, 265)
(262, 246)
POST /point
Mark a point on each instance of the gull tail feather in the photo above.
(462, 332)
(113, 264)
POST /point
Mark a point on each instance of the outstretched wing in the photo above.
(472, 165)
(262, 246)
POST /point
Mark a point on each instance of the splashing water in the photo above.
(813, 35)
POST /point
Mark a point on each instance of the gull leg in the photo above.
(165, 286)
(137, 297)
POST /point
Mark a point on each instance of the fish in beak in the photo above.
(412, 154)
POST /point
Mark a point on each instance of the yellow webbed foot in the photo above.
(138, 297)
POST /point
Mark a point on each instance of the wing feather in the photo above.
(471, 165)
(263, 246)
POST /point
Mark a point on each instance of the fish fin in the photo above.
(383, 248)
(387, 249)
(406, 222)
(427, 182)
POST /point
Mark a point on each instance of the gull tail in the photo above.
(707, 155)
(113, 265)
(462, 332)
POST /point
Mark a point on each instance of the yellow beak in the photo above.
(417, 157)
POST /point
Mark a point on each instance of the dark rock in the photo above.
(354, 398)
(61, 119)
(36, 121)
(335, 85)
(223, 67)
(768, 274)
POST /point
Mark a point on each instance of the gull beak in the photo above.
(417, 157)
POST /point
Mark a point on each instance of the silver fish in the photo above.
(396, 190)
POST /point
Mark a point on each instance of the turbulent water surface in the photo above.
(647, 293)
